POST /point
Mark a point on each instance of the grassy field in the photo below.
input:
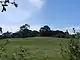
(37, 46)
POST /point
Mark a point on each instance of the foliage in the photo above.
(72, 50)
(46, 31)
(5, 3)
(7, 34)
(22, 33)
(26, 26)
(3, 52)
(25, 32)
(0, 30)
(58, 33)
(35, 33)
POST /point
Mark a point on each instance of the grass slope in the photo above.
(37, 46)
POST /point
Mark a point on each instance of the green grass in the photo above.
(37, 46)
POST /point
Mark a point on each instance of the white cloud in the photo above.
(19, 15)
(37, 3)
(15, 16)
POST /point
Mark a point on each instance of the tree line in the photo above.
(25, 31)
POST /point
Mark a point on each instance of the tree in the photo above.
(7, 34)
(23, 32)
(73, 30)
(35, 33)
(26, 33)
(0, 29)
(26, 26)
(5, 3)
(45, 28)
(59, 34)
(67, 34)
(16, 34)
(45, 31)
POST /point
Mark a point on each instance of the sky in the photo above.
(58, 14)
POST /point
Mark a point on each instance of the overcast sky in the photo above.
(58, 14)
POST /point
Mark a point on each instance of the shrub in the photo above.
(72, 50)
